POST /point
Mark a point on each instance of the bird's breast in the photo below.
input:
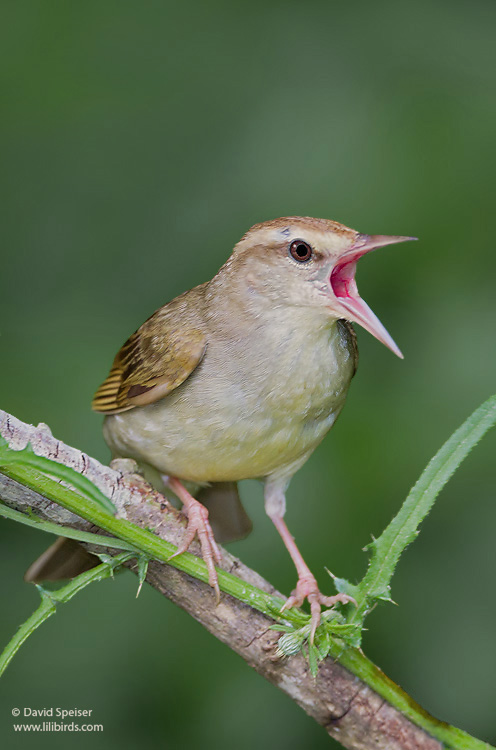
(247, 411)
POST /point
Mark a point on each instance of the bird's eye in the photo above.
(300, 251)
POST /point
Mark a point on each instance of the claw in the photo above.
(199, 526)
(307, 588)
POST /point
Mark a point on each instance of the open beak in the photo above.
(344, 286)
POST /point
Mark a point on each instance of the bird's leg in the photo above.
(198, 525)
(306, 587)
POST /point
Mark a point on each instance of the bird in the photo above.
(242, 377)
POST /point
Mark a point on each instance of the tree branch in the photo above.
(358, 716)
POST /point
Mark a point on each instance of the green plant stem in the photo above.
(147, 542)
(50, 599)
(356, 662)
(351, 658)
(385, 554)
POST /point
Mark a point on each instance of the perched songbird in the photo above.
(242, 377)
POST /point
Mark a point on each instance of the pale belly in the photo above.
(224, 424)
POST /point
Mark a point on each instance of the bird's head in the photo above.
(305, 262)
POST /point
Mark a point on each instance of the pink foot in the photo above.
(198, 525)
(307, 588)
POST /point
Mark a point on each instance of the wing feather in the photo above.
(154, 361)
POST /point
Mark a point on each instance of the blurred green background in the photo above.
(139, 142)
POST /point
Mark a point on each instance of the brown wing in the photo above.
(154, 361)
(353, 340)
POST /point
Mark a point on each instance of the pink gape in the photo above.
(344, 286)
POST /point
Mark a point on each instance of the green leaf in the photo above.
(343, 586)
(143, 561)
(26, 457)
(31, 519)
(313, 659)
(403, 529)
(323, 643)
